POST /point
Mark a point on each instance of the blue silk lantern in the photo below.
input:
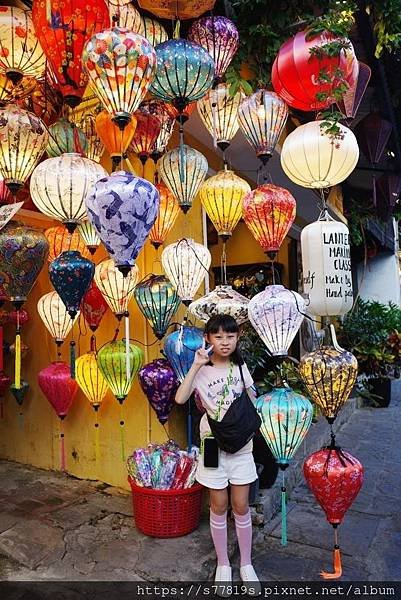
(158, 301)
(286, 417)
(123, 208)
(65, 137)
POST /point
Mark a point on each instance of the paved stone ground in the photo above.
(56, 527)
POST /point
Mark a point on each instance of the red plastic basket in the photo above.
(166, 513)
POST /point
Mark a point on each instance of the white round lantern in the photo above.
(326, 265)
(116, 289)
(276, 314)
(60, 185)
(55, 316)
(311, 158)
(223, 300)
(186, 263)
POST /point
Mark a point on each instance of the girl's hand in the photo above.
(202, 356)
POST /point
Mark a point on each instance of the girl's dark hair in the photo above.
(229, 325)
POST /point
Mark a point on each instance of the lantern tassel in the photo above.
(283, 513)
(177, 28)
(62, 447)
(127, 348)
(17, 374)
(72, 359)
(338, 570)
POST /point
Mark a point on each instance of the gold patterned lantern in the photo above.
(219, 114)
(61, 240)
(168, 212)
(116, 288)
(153, 31)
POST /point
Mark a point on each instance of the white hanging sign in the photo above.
(7, 212)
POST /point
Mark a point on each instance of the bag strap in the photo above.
(242, 375)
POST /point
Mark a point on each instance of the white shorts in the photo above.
(238, 469)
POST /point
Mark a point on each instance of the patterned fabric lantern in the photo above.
(296, 72)
(312, 159)
(125, 15)
(55, 317)
(115, 141)
(93, 306)
(276, 314)
(177, 9)
(20, 51)
(63, 29)
(23, 138)
(71, 275)
(46, 101)
(94, 145)
(111, 360)
(329, 375)
(159, 383)
(123, 208)
(186, 263)
(167, 122)
(51, 188)
(262, 118)
(335, 478)
(219, 114)
(183, 169)
(222, 300)
(221, 197)
(168, 212)
(153, 31)
(120, 64)
(89, 236)
(180, 347)
(286, 417)
(269, 212)
(158, 301)
(65, 137)
(61, 240)
(146, 132)
(181, 115)
(116, 289)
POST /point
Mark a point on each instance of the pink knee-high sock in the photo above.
(218, 529)
(243, 527)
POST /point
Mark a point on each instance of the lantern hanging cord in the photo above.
(223, 265)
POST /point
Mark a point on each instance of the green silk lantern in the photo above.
(158, 301)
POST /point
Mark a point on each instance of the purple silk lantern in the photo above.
(159, 383)
(71, 275)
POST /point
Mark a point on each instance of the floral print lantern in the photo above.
(120, 65)
(71, 275)
(116, 289)
(65, 137)
(93, 307)
(159, 383)
(222, 300)
(158, 301)
(169, 210)
(219, 114)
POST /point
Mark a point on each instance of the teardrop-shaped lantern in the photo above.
(269, 212)
(65, 137)
(177, 9)
(276, 314)
(218, 111)
(183, 169)
(221, 196)
(120, 65)
(115, 141)
(71, 275)
(90, 379)
(180, 347)
(158, 301)
(169, 210)
(329, 376)
(351, 100)
(93, 306)
(23, 140)
(116, 289)
(94, 145)
(58, 387)
(186, 264)
(373, 133)
(167, 121)
(223, 300)
(55, 317)
(61, 240)
(312, 159)
(153, 31)
(54, 194)
(262, 118)
(63, 29)
(159, 383)
(112, 362)
(146, 132)
(89, 236)
(123, 208)
(219, 36)
(21, 54)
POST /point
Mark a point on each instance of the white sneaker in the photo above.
(251, 580)
(223, 579)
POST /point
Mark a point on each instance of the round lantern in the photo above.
(93, 306)
(71, 275)
(94, 145)
(125, 15)
(326, 266)
(262, 118)
(62, 30)
(23, 139)
(193, 72)
(269, 211)
(123, 208)
(20, 51)
(183, 169)
(180, 347)
(168, 212)
(89, 236)
(115, 141)
(177, 9)
(90, 379)
(60, 240)
(159, 383)
(186, 264)
(146, 132)
(153, 31)
(329, 376)
(221, 197)
(219, 36)
(276, 314)
(219, 114)
(65, 137)
(296, 71)
(120, 65)
(158, 302)
(111, 360)
(312, 159)
(55, 317)
(116, 289)
(223, 300)
(55, 195)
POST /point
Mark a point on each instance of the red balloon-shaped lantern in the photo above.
(93, 306)
(296, 73)
(147, 130)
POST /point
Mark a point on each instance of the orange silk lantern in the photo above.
(61, 240)
(168, 212)
(63, 28)
(269, 212)
(146, 132)
(114, 139)
(186, 113)
(177, 9)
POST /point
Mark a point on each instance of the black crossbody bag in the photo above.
(239, 424)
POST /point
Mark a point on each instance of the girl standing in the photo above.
(219, 375)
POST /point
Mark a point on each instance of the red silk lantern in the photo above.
(269, 211)
(146, 133)
(93, 306)
(296, 72)
(63, 28)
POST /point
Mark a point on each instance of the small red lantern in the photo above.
(296, 72)
(146, 132)
(93, 306)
